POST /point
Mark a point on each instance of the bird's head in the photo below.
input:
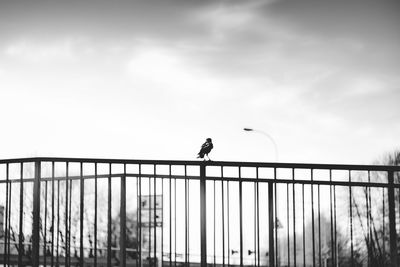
(208, 139)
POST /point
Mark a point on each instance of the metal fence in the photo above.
(106, 212)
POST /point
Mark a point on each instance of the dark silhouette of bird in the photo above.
(205, 149)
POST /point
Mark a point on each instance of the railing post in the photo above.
(36, 216)
(21, 216)
(82, 208)
(109, 218)
(123, 223)
(203, 213)
(271, 253)
(392, 220)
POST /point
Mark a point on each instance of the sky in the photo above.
(153, 79)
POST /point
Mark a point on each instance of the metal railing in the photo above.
(110, 212)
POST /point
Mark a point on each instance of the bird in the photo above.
(205, 149)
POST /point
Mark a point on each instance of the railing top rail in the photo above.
(211, 163)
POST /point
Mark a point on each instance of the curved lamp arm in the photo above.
(268, 136)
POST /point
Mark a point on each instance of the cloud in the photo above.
(100, 19)
(160, 66)
(39, 52)
(352, 18)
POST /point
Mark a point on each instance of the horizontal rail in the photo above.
(211, 178)
(318, 166)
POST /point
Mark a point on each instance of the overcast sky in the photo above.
(153, 79)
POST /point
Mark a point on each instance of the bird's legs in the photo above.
(208, 157)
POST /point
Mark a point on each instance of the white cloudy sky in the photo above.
(152, 79)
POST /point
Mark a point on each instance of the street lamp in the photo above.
(268, 136)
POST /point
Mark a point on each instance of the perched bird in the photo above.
(205, 149)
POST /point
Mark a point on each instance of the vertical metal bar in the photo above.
(370, 208)
(271, 225)
(368, 227)
(398, 194)
(276, 220)
(95, 215)
(255, 219)
(294, 219)
(312, 218)
(58, 222)
(140, 215)
(21, 215)
(109, 219)
(334, 215)
(137, 221)
(287, 223)
(6, 230)
(82, 206)
(240, 217)
(150, 202)
(188, 214)
(351, 221)
(155, 213)
(10, 206)
(45, 225)
(186, 219)
(392, 220)
(223, 216)
(258, 220)
(66, 216)
(319, 226)
(203, 213)
(162, 227)
(304, 226)
(175, 222)
(214, 223)
(383, 225)
(228, 220)
(36, 216)
(69, 223)
(170, 217)
(331, 220)
(52, 214)
(122, 226)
